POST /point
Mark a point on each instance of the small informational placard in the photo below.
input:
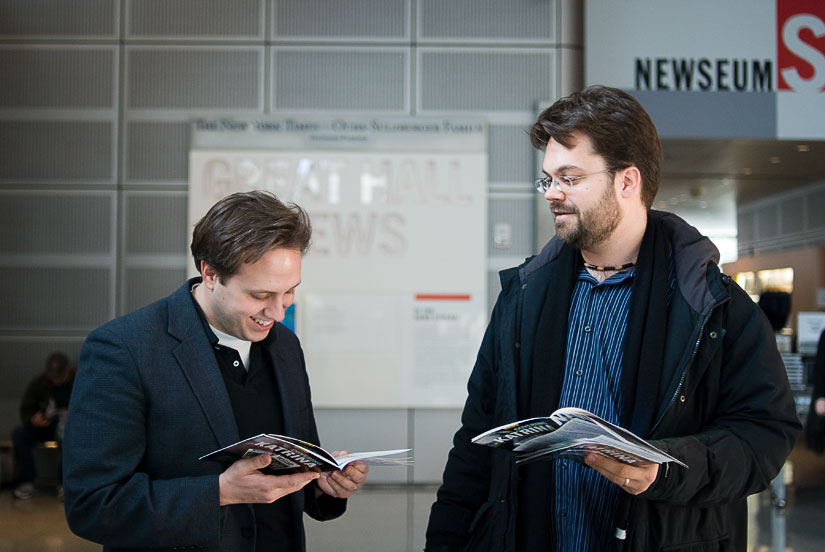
(445, 335)
(392, 304)
(809, 327)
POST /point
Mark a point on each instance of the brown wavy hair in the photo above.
(243, 227)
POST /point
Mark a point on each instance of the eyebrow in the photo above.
(563, 168)
(268, 292)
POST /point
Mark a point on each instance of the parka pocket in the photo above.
(482, 529)
(480, 514)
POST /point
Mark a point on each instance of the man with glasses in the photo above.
(623, 313)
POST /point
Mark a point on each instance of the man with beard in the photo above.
(623, 313)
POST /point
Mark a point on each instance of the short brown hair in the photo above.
(243, 227)
(616, 123)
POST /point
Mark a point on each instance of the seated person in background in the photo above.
(43, 413)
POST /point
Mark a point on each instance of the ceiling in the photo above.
(698, 171)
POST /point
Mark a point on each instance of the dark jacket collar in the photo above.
(184, 320)
(692, 253)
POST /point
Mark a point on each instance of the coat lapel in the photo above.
(197, 361)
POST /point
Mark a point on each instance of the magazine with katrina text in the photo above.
(293, 455)
(571, 432)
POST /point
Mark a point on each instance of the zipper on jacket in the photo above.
(687, 364)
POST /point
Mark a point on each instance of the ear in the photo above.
(210, 277)
(630, 182)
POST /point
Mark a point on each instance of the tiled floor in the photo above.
(390, 519)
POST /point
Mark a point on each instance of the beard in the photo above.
(591, 226)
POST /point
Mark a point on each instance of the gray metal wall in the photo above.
(95, 104)
(788, 220)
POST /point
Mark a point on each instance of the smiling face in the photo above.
(247, 304)
(586, 214)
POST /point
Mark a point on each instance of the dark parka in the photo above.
(727, 413)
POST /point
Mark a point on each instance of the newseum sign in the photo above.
(709, 69)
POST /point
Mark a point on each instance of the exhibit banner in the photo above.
(709, 69)
(392, 303)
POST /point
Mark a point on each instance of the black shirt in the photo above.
(257, 408)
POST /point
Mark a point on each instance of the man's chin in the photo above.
(258, 336)
(566, 234)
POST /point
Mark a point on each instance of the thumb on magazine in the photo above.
(260, 461)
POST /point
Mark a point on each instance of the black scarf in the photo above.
(641, 369)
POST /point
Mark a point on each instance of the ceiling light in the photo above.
(774, 160)
(803, 148)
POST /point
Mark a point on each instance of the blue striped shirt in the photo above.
(585, 501)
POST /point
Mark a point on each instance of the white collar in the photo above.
(240, 345)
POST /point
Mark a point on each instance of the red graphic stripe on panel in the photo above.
(441, 297)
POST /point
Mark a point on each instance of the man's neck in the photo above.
(620, 248)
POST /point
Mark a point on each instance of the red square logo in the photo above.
(800, 56)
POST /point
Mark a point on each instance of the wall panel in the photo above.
(186, 19)
(355, 19)
(76, 19)
(483, 79)
(51, 223)
(157, 151)
(511, 155)
(491, 20)
(156, 223)
(340, 78)
(146, 285)
(194, 78)
(37, 299)
(786, 221)
(56, 151)
(815, 208)
(58, 77)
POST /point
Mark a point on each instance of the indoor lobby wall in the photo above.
(95, 114)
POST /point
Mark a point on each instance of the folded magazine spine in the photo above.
(571, 432)
(291, 455)
(287, 456)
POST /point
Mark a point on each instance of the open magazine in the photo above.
(571, 431)
(292, 455)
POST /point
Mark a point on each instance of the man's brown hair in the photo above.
(619, 128)
(243, 227)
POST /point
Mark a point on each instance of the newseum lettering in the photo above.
(703, 74)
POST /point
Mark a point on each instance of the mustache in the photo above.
(564, 208)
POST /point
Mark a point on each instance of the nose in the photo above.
(553, 193)
(275, 310)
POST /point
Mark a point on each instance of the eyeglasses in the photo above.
(563, 183)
